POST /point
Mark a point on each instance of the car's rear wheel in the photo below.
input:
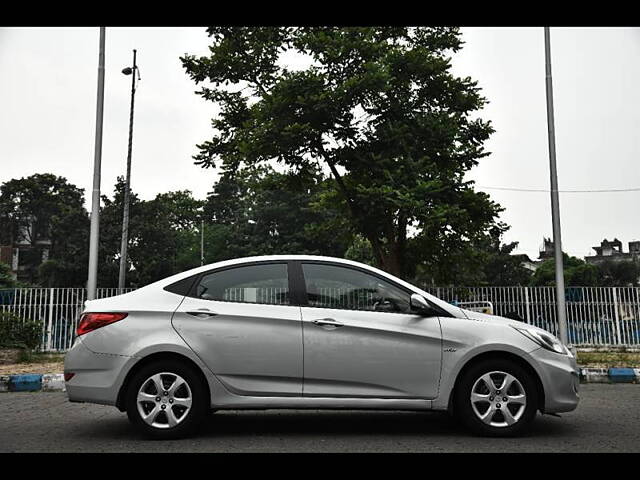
(166, 399)
(496, 398)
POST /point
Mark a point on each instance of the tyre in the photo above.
(166, 400)
(496, 398)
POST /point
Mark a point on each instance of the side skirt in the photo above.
(242, 402)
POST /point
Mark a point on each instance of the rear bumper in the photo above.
(560, 378)
(98, 376)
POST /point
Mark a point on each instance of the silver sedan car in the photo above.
(296, 332)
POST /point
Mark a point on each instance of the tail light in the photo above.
(68, 376)
(92, 321)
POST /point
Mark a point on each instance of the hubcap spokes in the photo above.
(164, 400)
(498, 399)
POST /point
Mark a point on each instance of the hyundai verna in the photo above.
(310, 332)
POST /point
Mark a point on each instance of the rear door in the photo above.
(242, 323)
(362, 340)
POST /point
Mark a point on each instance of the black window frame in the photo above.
(304, 299)
(293, 299)
(297, 284)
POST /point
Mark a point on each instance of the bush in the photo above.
(18, 333)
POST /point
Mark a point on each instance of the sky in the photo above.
(48, 81)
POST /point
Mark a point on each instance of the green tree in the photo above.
(577, 273)
(46, 212)
(6, 279)
(500, 266)
(162, 235)
(360, 251)
(619, 274)
(485, 261)
(111, 212)
(266, 212)
(378, 108)
(165, 227)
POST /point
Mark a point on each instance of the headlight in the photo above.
(545, 340)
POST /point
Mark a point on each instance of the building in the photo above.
(26, 252)
(613, 251)
(526, 262)
(547, 250)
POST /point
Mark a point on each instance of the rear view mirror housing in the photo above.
(422, 307)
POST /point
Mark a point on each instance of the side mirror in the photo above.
(420, 305)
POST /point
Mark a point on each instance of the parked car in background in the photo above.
(310, 332)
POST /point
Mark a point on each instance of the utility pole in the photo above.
(97, 160)
(201, 242)
(125, 217)
(555, 202)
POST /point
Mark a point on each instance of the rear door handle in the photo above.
(327, 322)
(203, 313)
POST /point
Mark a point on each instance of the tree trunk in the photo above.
(388, 259)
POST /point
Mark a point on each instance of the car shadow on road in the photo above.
(300, 423)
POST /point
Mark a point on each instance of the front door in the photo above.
(362, 340)
(241, 323)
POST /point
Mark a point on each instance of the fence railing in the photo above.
(596, 316)
(57, 308)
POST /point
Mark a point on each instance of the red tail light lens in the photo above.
(91, 321)
(68, 376)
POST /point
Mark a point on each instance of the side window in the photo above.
(266, 283)
(330, 286)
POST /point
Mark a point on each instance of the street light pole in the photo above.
(201, 242)
(555, 202)
(92, 279)
(125, 217)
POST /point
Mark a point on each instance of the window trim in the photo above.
(304, 299)
(198, 278)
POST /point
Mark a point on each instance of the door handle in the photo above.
(327, 322)
(203, 314)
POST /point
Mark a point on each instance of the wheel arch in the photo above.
(154, 357)
(499, 354)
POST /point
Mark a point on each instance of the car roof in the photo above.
(263, 258)
(260, 258)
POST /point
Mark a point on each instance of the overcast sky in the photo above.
(48, 99)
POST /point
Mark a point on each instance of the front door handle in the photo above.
(203, 313)
(327, 322)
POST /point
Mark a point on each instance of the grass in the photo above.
(28, 356)
(35, 362)
(609, 359)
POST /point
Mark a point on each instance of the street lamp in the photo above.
(125, 217)
(92, 278)
(561, 309)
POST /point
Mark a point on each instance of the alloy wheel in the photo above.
(164, 400)
(498, 399)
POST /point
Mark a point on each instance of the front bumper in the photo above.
(98, 376)
(560, 378)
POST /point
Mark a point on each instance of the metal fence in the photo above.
(596, 316)
(57, 308)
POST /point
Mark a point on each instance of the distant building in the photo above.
(612, 251)
(547, 250)
(25, 252)
(526, 262)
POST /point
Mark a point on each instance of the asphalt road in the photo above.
(607, 420)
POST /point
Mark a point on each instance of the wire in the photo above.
(635, 189)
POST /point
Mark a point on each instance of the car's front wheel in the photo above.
(496, 398)
(166, 400)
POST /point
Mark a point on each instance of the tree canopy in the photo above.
(377, 107)
(46, 212)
